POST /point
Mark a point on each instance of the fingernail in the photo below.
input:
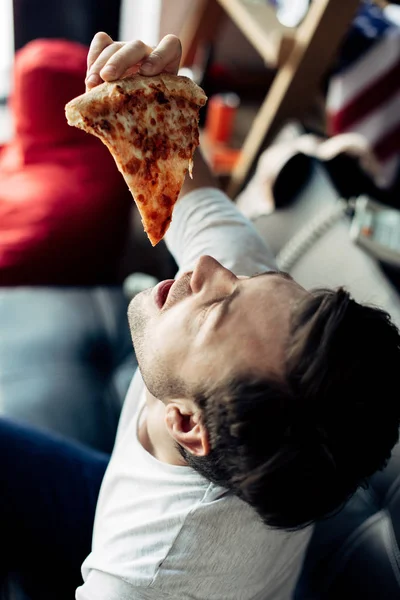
(92, 79)
(109, 71)
(147, 66)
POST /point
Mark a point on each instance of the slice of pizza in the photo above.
(150, 126)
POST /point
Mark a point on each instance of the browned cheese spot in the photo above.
(136, 100)
(99, 109)
(187, 130)
(133, 165)
(106, 126)
(164, 226)
(180, 102)
(142, 199)
(157, 146)
(138, 137)
(148, 169)
(160, 98)
(166, 201)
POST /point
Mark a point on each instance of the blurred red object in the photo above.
(221, 113)
(63, 204)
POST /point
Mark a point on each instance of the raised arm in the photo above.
(204, 221)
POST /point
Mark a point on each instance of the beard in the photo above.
(156, 373)
(138, 319)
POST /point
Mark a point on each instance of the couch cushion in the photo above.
(63, 204)
(355, 553)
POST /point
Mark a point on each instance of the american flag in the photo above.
(364, 91)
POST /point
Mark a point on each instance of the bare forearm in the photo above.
(202, 176)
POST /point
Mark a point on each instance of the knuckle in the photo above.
(175, 43)
(138, 45)
(112, 51)
(156, 57)
(173, 39)
(102, 37)
(100, 41)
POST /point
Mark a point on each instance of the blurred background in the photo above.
(292, 84)
(302, 129)
(303, 120)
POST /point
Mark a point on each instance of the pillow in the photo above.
(64, 207)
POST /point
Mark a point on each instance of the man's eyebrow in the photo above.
(282, 274)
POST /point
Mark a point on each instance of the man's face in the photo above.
(210, 325)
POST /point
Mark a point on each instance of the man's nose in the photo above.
(208, 272)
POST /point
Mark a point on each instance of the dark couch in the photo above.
(356, 553)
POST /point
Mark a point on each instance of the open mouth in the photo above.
(162, 291)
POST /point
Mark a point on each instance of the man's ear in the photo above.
(184, 424)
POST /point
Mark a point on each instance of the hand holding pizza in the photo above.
(147, 116)
(108, 60)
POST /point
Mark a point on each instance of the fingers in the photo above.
(93, 77)
(164, 58)
(129, 55)
(100, 41)
(108, 60)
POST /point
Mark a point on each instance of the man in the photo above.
(252, 414)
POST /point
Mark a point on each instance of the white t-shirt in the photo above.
(164, 531)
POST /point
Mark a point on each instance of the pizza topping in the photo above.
(150, 125)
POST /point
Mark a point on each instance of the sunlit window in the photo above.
(6, 46)
(140, 20)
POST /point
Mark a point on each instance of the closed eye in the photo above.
(206, 309)
(219, 308)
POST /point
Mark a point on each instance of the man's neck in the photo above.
(154, 436)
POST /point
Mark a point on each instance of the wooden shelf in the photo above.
(301, 55)
(258, 22)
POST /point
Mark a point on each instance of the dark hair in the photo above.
(298, 447)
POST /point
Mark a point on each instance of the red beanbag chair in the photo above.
(64, 206)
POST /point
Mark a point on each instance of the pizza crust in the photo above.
(176, 85)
